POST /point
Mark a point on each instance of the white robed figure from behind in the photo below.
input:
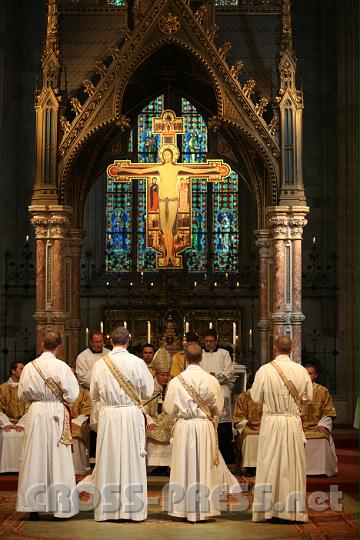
(120, 471)
(280, 485)
(46, 460)
(195, 455)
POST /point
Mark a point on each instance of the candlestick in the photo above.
(125, 324)
(27, 238)
(234, 334)
(86, 337)
(314, 240)
(210, 325)
(186, 327)
(101, 327)
(250, 339)
(149, 332)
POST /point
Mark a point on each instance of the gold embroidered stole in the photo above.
(290, 386)
(198, 400)
(124, 384)
(66, 436)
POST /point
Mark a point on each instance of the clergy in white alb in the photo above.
(317, 419)
(87, 358)
(280, 485)
(159, 424)
(194, 398)
(12, 420)
(46, 463)
(217, 362)
(120, 381)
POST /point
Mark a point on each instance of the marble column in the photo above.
(297, 223)
(41, 226)
(278, 221)
(264, 244)
(75, 243)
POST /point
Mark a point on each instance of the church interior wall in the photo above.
(325, 48)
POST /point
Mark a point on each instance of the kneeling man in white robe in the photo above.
(282, 386)
(194, 398)
(46, 477)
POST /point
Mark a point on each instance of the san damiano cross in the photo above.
(168, 191)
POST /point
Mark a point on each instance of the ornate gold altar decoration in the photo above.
(168, 191)
(171, 339)
(169, 23)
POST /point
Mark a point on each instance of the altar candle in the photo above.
(186, 326)
(210, 325)
(101, 327)
(234, 333)
(86, 337)
(27, 239)
(250, 339)
(314, 240)
(149, 332)
(125, 324)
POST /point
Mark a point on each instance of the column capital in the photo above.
(263, 242)
(279, 318)
(297, 221)
(40, 223)
(297, 318)
(76, 238)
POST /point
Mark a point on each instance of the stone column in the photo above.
(264, 244)
(278, 221)
(73, 253)
(297, 223)
(41, 226)
(51, 223)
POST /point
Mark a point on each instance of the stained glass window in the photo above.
(226, 3)
(124, 252)
(148, 144)
(225, 224)
(194, 140)
(118, 226)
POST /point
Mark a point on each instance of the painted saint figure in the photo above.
(154, 194)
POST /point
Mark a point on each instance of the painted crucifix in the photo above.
(168, 221)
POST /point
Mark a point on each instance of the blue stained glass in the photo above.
(148, 143)
(226, 3)
(118, 226)
(194, 140)
(225, 224)
(196, 255)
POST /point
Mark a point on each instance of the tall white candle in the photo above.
(101, 327)
(250, 339)
(210, 325)
(234, 333)
(125, 324)
(186, 326)
(86, 337)
(149, 332)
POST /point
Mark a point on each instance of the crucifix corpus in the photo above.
(168, 190)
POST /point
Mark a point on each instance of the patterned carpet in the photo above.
(326, 525)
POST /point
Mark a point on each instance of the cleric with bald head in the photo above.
(281, 386)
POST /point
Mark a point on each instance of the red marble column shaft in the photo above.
(58, 275)
(296, 299)
(279, 285)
